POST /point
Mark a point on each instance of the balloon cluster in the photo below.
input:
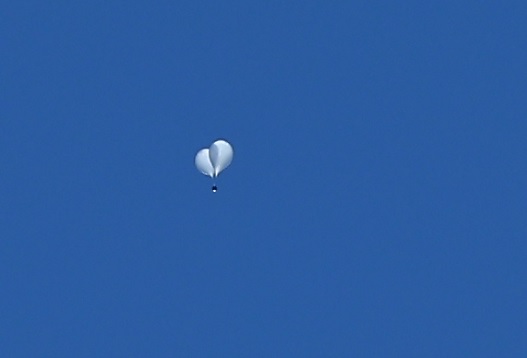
(213, 160)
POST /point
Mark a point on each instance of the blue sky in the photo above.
(375, 207)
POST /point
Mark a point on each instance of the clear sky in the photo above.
(376, 205)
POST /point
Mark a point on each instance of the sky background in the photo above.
(376, 205)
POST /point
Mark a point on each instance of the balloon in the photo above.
(203, 162)
(212, 161)
(220, 154)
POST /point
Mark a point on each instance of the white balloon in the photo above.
(212, 161)
(203, 162)
(220, 154)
